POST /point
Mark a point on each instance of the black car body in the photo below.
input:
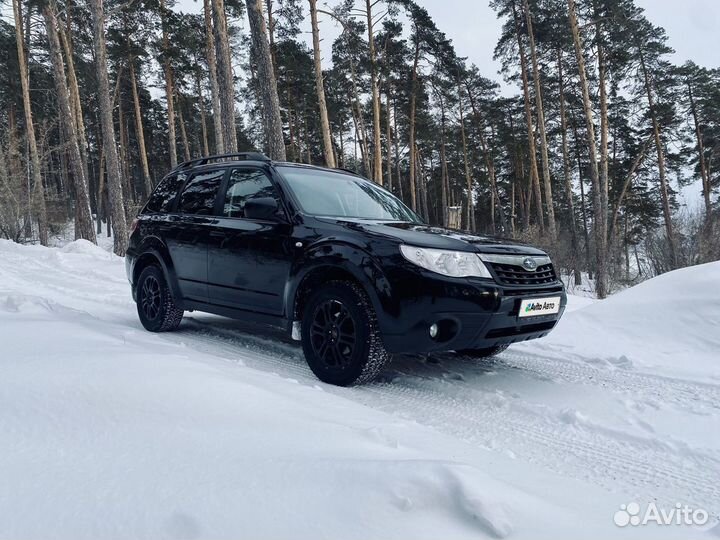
(235, 238)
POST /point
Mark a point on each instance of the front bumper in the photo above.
(470, 314)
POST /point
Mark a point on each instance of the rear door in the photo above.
(187, 232)
(249, 259)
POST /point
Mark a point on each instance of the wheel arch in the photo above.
(158, 256)
(331, 263)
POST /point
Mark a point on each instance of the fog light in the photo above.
(433, 330)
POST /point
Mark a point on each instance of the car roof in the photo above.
(338, 170)
(247, 158)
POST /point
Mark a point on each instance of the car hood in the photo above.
(435, 237)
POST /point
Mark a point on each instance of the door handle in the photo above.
(217, 234)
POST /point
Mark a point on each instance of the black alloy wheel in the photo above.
(333, 334)
(151, 301)
(340, 335)
(155, 304)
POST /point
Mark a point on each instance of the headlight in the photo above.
(447, 263)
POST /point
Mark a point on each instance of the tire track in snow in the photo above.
(685, 394)
(462, 402)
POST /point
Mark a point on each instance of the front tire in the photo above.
(155, 305)
(483, 353)
(340, 337)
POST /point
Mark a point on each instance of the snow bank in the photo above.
(669, 325)
(144, 441)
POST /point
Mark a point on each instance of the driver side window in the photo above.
(245, 184)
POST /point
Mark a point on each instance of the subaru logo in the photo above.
(529, 264)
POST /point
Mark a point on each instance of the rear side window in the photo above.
(199, 195)
(162, 198)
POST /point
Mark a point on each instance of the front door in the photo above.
(249, 259)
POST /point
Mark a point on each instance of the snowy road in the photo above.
(531, 407)
(620, 404)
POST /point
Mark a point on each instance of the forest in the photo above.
(586, 156)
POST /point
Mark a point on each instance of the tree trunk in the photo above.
(661, 163)
(226, 83)
(581, 184)
(360, 123)
(114, 183)
(443, 164)
(600, 240)
(512, 209)
(183, 132)
(266, 81)
(518, 176)
(294, 146)
(306, 131)
(541, 125)
(128, 194)
(75, 100)
(169, 90)
(320, 88)
(139, 132)
(413, 110)
(602, 218)
(377, 143)
(567, 172)
(99, 197)
(388, 141)
(701, 153)
(83, 215)
(271, 33)
(422, 191)
(37, 180)
(466, 165)
(203, 121)
(212, 69)
(397, 150)
(534, 175)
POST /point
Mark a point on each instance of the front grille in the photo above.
(510, 274)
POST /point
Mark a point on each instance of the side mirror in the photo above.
(261, 208)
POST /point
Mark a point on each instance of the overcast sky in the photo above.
(691, 25)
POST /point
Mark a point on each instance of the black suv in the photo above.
(333, 259)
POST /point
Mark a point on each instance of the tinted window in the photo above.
(246, 184)
(334, 194)
(199, 195)
(162, 198)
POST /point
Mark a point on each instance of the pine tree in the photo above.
(266, 80)
(114, 183)
(320, 88)
(83, 216)
(38, 197)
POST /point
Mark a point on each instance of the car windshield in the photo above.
(334, 194)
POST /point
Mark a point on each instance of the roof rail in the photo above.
(240, 156)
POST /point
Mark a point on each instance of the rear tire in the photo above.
(340, 337)
(487, 352)
(155, 305)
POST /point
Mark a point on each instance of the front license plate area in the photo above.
(534, 307)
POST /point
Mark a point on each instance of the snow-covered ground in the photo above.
(220, 431)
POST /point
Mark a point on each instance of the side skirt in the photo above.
(250, 317)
